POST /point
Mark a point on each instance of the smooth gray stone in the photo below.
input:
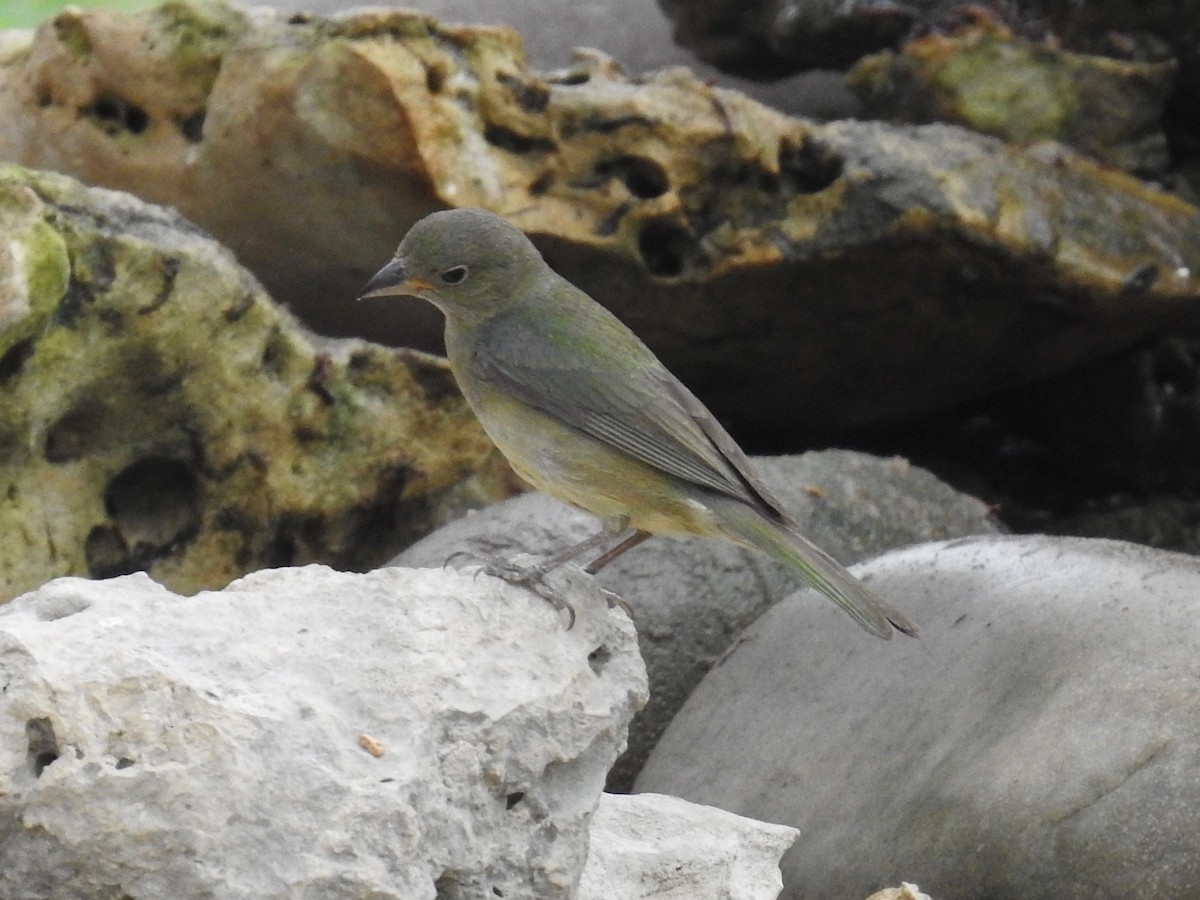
(1041, 739)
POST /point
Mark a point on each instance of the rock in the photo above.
(691, 598)
(904, 892)
(308, 733)
(1131, 419)
(650, 846)
(985, 78)
(1040, 741)
(772, 38)
(766, 38)
(632, 31)
(1106, 450)
(829, 277)
(161, 413)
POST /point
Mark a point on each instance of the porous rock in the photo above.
(650, 845)
(823, 276)
(158, 411)
(988, 79)
(774, 37)
(307, 733)
(691, 598)
(1040, 740)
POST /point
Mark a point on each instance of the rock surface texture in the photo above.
(840, 275)
(308, 733)
(1040, 741)
(159, 412)
(651, 846)
(990, 80)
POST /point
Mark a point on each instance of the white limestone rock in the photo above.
(655, 846)
(307, 733)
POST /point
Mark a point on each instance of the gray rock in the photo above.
(692, 597)
(650, 845)
(306, 733)
(1041, 740)
(767, 39)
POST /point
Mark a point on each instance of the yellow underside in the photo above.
(587, 473)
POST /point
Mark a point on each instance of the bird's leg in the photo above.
(605, 558)
(532, 577)
(570, 553)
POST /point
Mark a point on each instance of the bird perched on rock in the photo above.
(585, 411)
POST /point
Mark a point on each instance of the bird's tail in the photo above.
(749, 527)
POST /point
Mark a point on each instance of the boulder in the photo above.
(310, 733)
(650, 845)
(159, 412)
(1041, 739)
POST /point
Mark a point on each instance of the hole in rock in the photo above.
(515, 142)
(446, 887)
(154, 505)
(644, 178)
(532, 96)
(105, 553)
(115, 115)
(663, 247)
(570, 79)
(599, 658)
(435, 78)
(541, 184)
(124, 762)
(42, 744)
(15, 357)
(73, 432)
(192, 128)
(808, 167)
(275, 353)
(513, 799)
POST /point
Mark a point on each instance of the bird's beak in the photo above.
(393, 281)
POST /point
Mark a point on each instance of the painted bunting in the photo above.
(584, 410)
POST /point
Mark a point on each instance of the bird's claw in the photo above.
(617, 600)
(531, 578)
(461, 554)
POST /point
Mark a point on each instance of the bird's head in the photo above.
(461, 260)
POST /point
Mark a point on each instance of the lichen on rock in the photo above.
(986, 78)
(159, 412)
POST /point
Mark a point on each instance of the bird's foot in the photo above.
(616, 600)
(532, 578)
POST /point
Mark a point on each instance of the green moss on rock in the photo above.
(159, 412)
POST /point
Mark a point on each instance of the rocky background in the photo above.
(960, 239)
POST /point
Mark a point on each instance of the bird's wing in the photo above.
(598, 377)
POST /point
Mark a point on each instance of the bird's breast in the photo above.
(586, 472)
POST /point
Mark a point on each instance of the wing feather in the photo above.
(605, 382)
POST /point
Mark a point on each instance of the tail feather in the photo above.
(786, 545)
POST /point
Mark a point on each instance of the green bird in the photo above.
(584, 411)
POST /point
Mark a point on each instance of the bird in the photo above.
(583, 410)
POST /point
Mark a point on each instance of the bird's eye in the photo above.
(457, 275)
